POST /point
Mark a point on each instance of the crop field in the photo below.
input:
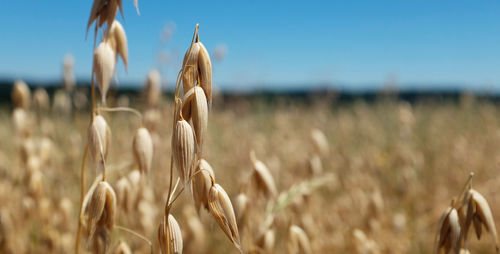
(352, 178)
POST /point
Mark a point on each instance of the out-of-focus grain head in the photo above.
(68, 75)
(143, 149)
(202, 182)
(222, 211)
(117, 39)
(205, 72)
(152, 88)
(448, 233)
(480, 215)
(183, 149)
(363, 244)
(320, 142)
(22, 122)
(41, 100)
(122, 248)
(35, 184)
(104, 67)
(199, 117)
(99, 138)
(194, 234)
(190, 70)
(124, 194)
(315, 165)
(104, 11)
(100, 210)
(21, 95)
(262, 177)
(61, 103)
(298, 242)
(241, 208)
(170, 236)
(152, 119)
(266, 241)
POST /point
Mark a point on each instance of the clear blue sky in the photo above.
(273, 42)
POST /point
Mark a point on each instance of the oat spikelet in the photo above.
(202, 182)
(298, 242)
(479, 213)
(267, 240)
(263, 178)
(104, 67)
(99, 137)
(183, 149)
(124, 194)
(187, 100)
(199, 116)
(104, 11)
(222, 210)
(100, 210)
(448, 231)
(241, 208)
(205, 72)
(190, 67)
(21, 120)
(21, 95)
(143, 149)
(170, 236)
(117, 39)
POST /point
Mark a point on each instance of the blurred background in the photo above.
(270, 45)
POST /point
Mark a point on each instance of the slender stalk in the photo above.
(82, 196)
(121, 109)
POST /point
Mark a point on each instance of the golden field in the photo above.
(388, 173)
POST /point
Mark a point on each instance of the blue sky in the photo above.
(276, 43)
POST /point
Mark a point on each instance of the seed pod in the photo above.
(320, 142)
(100, 209)
(199, 109)
(448, 231)
(479, 213)
(205, 72)
(262, 177)
(170, 236)
(122, 248)
(298, 242)
(104, 67)
(202, 182)
(152, 88)
(143, 149)
(183, 149)
(190, 67)
(41, 100)
(222, 210)
(117, 39)
(21, 95)
(99, 137)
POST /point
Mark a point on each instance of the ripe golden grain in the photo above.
(199, 117)
(152, 88)
(100, 210)
(448, 231)
(41, 100)
(99, 138)
(202, 182)
(222, 210)
(298, 242)
(183, 149)
(479, 213)
(205, 71)
(170, 236)
(104, 67)
(262, 177)
(117, 39)
(190, 67)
